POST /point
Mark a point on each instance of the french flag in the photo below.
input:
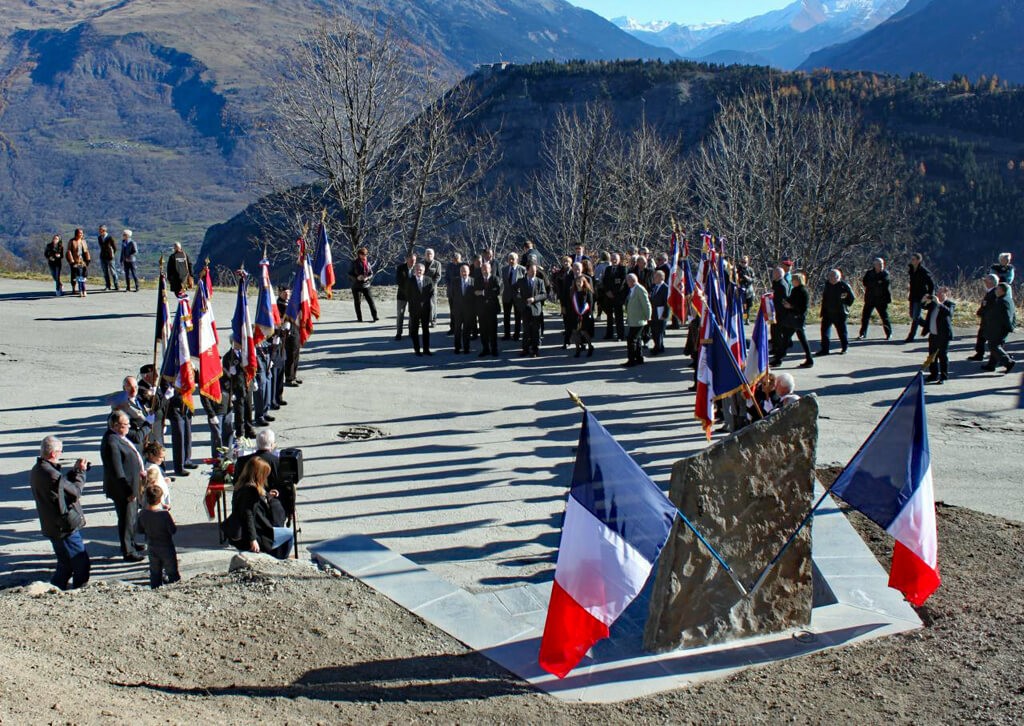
(314, 300)
(268, 318)
(616, 523)
(756, 365)
(324, 261)
(676, 285)
(177, 364)
(241, 328)
(890, 482)
(203, 344)
(300, 308)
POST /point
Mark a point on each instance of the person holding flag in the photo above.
(240, 363)
(178, 374)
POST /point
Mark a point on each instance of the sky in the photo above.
(687, 12)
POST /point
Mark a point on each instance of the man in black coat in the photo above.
(49, 487)
(179, 269)
(532, 293)
(921, 284)
(780, 291)
(937, 320)
(108, 253)
(419, 291)
(659, 311)
(488, 305)
(122, 475)
(510, 277)
(403, 273)
(462, 299)
(877, 296)
(613, 290)
(990, 282)
(999, 322)
(292, 342)
(835, 309)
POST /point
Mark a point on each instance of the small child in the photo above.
(158, 526)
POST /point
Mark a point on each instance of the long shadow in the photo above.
(76, 402)
(105, 316)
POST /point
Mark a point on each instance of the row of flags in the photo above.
(192, 337)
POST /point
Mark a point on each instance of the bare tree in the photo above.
(787, 174)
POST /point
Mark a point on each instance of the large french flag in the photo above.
(616, 523)
(324, 261)
(177, 363)
(676, 285)
(268, 318)
(890, 481)
(241, 328)
(756, 365)
(300, 306)
(202, 340)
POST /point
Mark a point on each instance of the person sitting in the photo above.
(254, 525)
(785, 390)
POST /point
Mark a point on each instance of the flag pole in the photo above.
(714, 553)
(806, 519)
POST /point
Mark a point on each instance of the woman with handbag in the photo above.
(255, 524)
(78, 257)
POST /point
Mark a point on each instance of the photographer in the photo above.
(58, 502)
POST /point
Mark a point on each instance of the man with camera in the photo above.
(58, 502)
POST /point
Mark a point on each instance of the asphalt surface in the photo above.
(469, 476)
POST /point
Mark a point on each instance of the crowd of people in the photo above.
(627, 293)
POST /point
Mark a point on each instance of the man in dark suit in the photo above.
(990, 282)
(532, 293)
(998, 322)
(403, 273)
(135, 407)
(613, 289)
(488, 305)
(122, 475)
(937, 320)
(835, 309)
(510, 277)
(461, 298)
(876, 297)
(419, 291)
(292, 341)
(659, 311)
(108, 254)
(920, 284)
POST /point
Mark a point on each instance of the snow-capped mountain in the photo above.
(782, 38)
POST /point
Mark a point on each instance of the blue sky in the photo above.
(682, 11)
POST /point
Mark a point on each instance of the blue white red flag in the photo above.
(737, 334)
(268, 318)
(300, 309)
(677, 284)
(692, 289)
(177, 364)
(314, 300)
(759, 352)
(202, 341)
(616, 523)
(324, 261)
(890, 482)
(718, 374)
(241, 328)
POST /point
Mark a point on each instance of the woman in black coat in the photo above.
(253, 514)
(581, 308)
(792, 318)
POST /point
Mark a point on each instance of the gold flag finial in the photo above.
(576, 399)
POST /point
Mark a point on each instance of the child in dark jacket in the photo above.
(157, 524)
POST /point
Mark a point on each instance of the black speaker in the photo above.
(289, 465)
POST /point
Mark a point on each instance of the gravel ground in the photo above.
(284, 642)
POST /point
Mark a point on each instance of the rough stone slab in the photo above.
(746, 495)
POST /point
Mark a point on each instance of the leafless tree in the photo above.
(786, 174)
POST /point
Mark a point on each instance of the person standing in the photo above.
(1004, 268)
(793, 318)
(581, 302)
(403, 274)
(108, 253)
(999, 322)
(990, 282)
(532, 293)
(937, 319)
(78, 259)
(877, 296)
(920, 284)
(745, 279)
(179, 270)
(292, 342)
(360, 274)
(514, 272)
(780, 291)
(129, 252)
(659, 312)
(488, 305)
(638, 313)
(835, 309)
(122, 475)
(54, 254)
(432, 269)
(613, 289)
(461, 300)
(58, 498)
(180, 417)
(419, 291)
(157, 524)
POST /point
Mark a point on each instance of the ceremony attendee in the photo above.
(432, 269)
(836, 300)
(360, 274)
(78, 257)
(236, 387)
(156, 523)
(451, 276)
(129, 253)
(122, 475)
(937, 320)
(261, 386)
(581, 302)
(220, 418)
(998, 322)
(462, 304)
(785, 389)
(659, 312)
(488, 304)
(153, 455)
(530, 256)
(292, 342)
(532, 293)
(599, 269)
(780, 291)
(1004, 269)
(989, 282)
(613, 290)
(919, 285)
(403, 273)
(786, 263)
(266, 443)
(180, 417)
(580, 254)
(54, 254)
(108, 254)
(638, 313)
(510, 277)
(745, 279)
(58, 498)
(179, 270)
(253, 525)
(156, 404)
(136, 408)
(419, 291)
(793, 315)
(877, 296)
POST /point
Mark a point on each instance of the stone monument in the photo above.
(745, 494)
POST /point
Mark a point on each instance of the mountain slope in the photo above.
(939, 38)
